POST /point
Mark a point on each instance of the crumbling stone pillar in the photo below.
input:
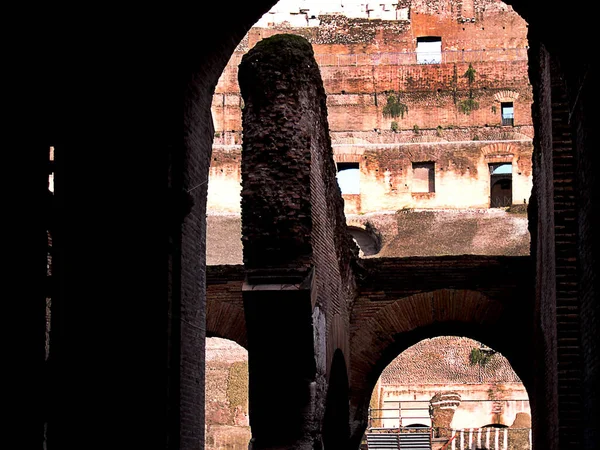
(297, 252)
(443, 405)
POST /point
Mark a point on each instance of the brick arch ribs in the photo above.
(224, 305)
(226, 321)
(398, 324)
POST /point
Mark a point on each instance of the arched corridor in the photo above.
(441, 385)
(133, 137)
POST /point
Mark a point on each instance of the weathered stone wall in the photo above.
(363, 61)
(445, 359)
(227, 420)
(388, 318)
(357, 96)
(224, 304)
(407, 232)
(564, 316)
(102, 371)
(225, 187)
(462, 175)
(281, 107)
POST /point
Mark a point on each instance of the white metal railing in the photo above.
(489, 438)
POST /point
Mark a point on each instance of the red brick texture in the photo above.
(294, 234)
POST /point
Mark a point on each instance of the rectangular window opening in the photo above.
(508, 114)
(429, 50)
(423, 177)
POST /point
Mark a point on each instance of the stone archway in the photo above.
(226, 321)
(406, 321)
(146, 126)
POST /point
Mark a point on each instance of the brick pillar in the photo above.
(544, 399)
(297, 252)
(568, 338)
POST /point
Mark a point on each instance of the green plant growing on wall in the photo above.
(438, 130)
(394, 107)
(454, 83)
(470, 74)
(416, 129)
(494, 109)
(469, 104)
(394, 126)
(481, 356)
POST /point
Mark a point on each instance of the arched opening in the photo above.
(447, 388)
(368, 242)
(415, 130)
(134, 132)
(501, 185)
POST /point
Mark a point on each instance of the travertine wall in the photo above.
(362, 62)
(462, 175)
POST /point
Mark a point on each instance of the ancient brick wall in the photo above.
(387, 280)
(293, 230)
(357, 95)
(446, 359)
(589, 266)
(224, 303)
(562, 249)
(362, 62)
(276, 173)
(543, 249)
(461, 174)
(293, 204)
(101, 369)
(391, 323)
